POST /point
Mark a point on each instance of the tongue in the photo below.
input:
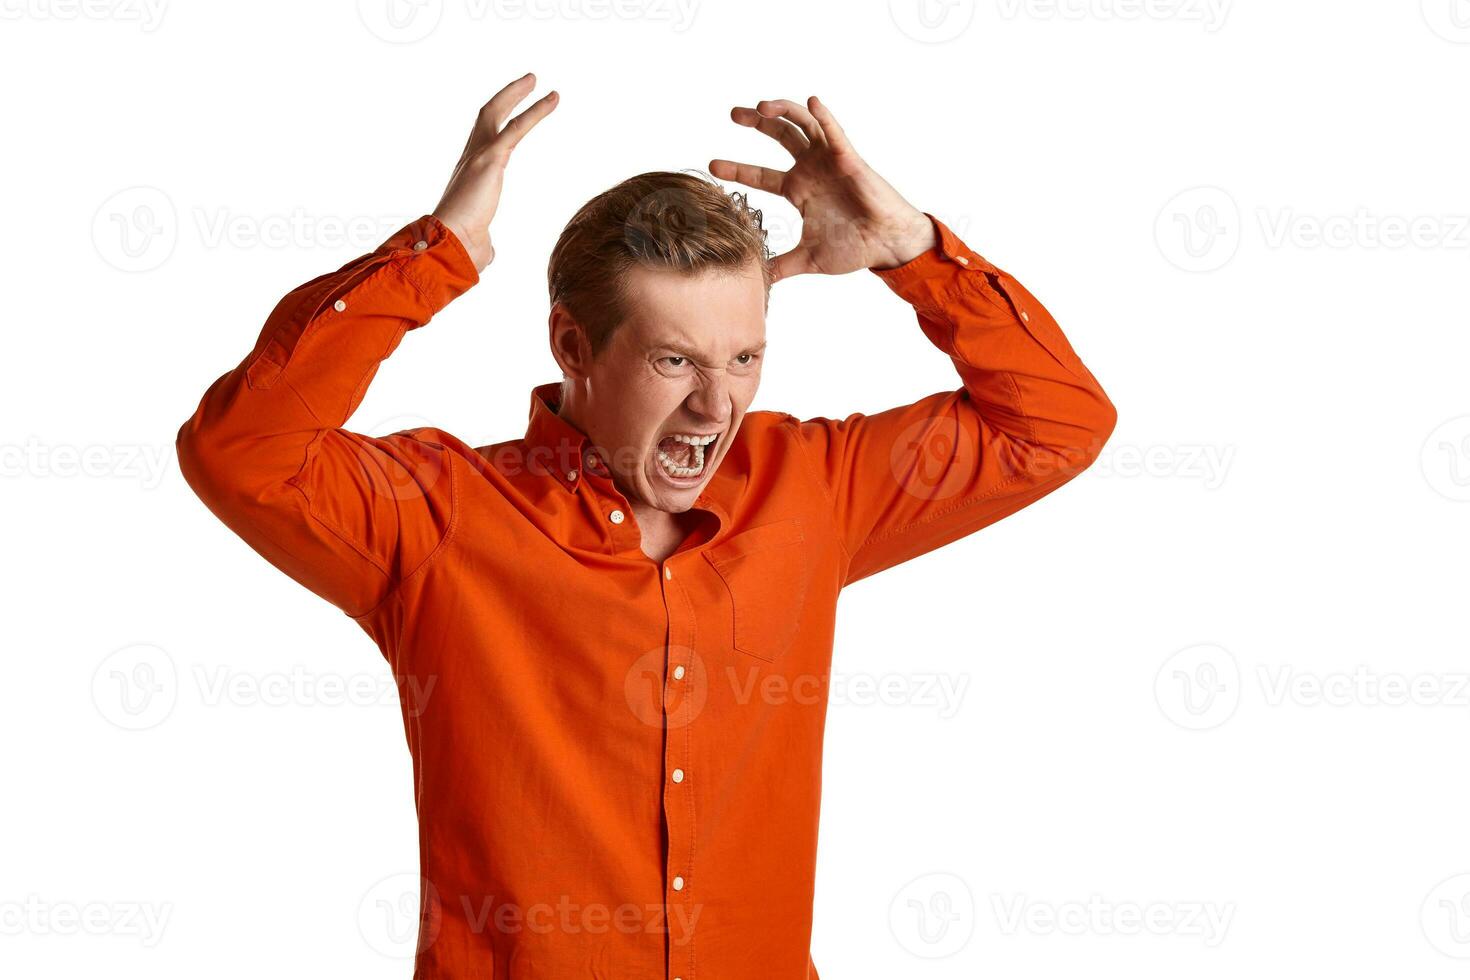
(682, 452)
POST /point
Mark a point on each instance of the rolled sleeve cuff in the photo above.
(433, 260)
(935, 272)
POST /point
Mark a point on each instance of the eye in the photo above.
(679, 358)
(748, 359)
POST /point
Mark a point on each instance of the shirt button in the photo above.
(571, 474)
(962, 259)
(1025, 316)
(678, 883)
(616, 517)
(679, 673)
(420, 246)
(668, 572)
(678, 775)
(339, 306)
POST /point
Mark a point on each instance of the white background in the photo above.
(1217, 685)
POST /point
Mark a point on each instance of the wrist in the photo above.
(476, 246)
(906, 239)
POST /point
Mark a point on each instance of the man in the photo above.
(613, 635)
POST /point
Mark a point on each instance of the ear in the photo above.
(569, 342)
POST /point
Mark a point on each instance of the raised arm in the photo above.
(347, 515)
(1029, 415)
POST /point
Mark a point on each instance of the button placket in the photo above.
(678, 803)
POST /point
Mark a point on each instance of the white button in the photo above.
(339, 306)
(1025, 316)
(679, 673)
(678, 775)
(616, 517)
(668, 572)
(571, 474)
(420, 246)
(962, 259)
(678, 883)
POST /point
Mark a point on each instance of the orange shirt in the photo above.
(618, 760)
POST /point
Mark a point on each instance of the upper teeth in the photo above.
(698, 442)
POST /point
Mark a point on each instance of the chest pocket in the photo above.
(764, 570)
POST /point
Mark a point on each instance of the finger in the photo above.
(781, 130)
(493, 113)
(796, 262)
(517, 128)
(761, 178)
(831, 128)
(794, 111)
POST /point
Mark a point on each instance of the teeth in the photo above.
(698, 442)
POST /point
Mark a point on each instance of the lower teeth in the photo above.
(674, 469)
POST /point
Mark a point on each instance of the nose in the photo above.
(710, 401)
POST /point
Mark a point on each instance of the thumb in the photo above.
(792, 263)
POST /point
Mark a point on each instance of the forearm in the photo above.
(1027, 418)
(347, 515)
(318, 351)
(1016, 365)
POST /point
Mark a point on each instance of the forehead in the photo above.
(717, 311)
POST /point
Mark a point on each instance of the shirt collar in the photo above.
(555, 446)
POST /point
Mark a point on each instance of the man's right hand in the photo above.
(470, 200)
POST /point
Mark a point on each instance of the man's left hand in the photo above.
(851, 218)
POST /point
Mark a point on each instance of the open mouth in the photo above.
(683, 457)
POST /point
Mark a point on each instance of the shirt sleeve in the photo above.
(347, 515)
(1028, 417)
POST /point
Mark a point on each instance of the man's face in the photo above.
(681, 368)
